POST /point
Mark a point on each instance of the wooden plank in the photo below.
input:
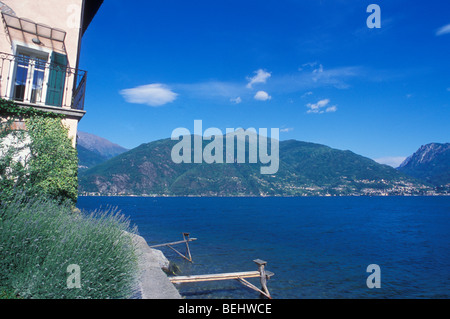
(224, 276)
(260, 262)
(173, 243)
(212, 277)
(252, 286)
(179, 253)
(188, 252)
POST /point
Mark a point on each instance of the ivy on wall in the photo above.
(11, 109)
(38, 161)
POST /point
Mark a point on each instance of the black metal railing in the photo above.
(33, 80)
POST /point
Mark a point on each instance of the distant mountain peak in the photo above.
(99, 145)
(93, 150)
(430, 163)
(425, 154)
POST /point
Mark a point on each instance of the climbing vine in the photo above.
(39, 160)
(11, 109)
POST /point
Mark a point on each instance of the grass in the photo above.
(39, 239)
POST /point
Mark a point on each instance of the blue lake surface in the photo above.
(318, 247)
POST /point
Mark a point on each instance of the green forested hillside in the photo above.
(305, 169)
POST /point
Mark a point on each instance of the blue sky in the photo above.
(311, 68)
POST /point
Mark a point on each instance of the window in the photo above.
(29, 77)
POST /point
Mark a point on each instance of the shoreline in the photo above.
(260, 196)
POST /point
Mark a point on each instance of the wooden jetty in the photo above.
(186, 240)
(240, 276)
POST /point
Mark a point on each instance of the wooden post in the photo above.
(188, 252)
(263, 277)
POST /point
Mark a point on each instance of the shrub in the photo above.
(40, 238)
(50, 164)
(53, 161)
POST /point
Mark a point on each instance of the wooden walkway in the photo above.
(240, 276)
(261, 273)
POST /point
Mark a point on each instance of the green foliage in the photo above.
(53, 161)
(11, 109)
(4, 294)
(40, 238)
(38, 161)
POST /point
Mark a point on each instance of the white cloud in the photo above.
(262, 96)
(307, 94)
(316, 69)
(156, 94)
(443, 30)
(236, 100)
(211, 90)
(318, 107)
(314, 107)
(308, 64)
(286, 130)
(393, 161)
(319, 69)
(314, 76)
(317, 77)
(331, 109)
(260, 77)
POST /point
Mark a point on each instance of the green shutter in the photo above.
(56, 79)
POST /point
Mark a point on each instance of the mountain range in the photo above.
(93, 150)
(306, 169)
(430, 163)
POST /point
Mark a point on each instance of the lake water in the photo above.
(318, 247)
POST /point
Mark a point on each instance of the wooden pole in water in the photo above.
(250, 285)
(172, 243)
(185, 240)
(263, 277)
(188, 252)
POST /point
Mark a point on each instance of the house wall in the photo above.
(69, 122)
(58, 14)
(72, 125)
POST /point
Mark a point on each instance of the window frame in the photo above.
(33, 54)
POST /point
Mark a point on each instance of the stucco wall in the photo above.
(72, 125)
(60, 14)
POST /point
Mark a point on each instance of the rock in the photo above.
(163, 262)
(153, 282)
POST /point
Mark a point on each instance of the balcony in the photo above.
(31, 80)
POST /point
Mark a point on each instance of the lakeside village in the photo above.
(390, 189)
